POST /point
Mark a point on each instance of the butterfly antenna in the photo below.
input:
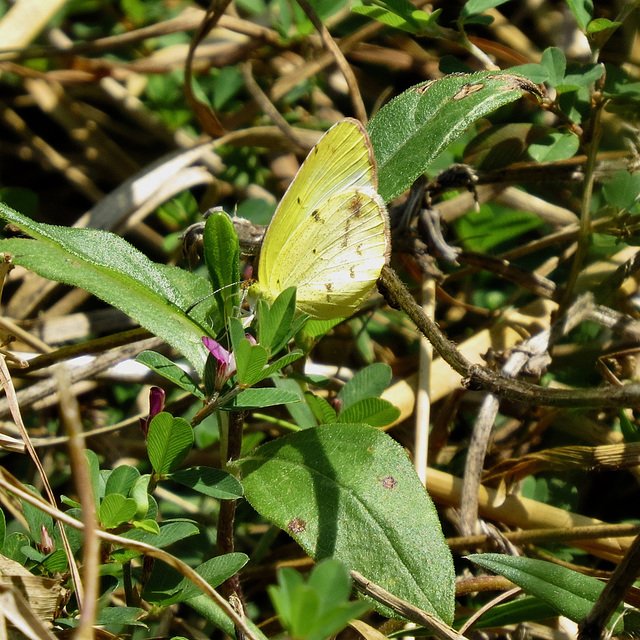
(213, 293)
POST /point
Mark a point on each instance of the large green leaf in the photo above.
(168, 442)
(568, 592)
(411, 130)
(111, 269)
(350, 492)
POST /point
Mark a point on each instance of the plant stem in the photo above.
(585, 209)
(231, 588)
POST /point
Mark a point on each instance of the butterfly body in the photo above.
(329, 237)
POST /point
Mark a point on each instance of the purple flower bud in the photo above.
(156, 405)
(225, 361)
(46, 544)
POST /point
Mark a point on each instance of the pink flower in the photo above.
(226, 361)
(46, 545)
(156, 405)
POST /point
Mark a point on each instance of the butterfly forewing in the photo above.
(329, 235)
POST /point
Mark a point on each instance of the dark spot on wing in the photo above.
(355, 205)
(328, 286)
(315, 214)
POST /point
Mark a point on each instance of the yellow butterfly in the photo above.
(329, 236)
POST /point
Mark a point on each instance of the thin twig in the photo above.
(478, 378)
(341, 61)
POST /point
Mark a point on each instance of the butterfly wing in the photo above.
(329, 236)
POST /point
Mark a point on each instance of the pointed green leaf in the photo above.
(171, 371)
(259, 398)
(411, 130)
(168, 442)
(221, 255)
(375, 412)
(281, 363)
(570, 593)
(369, 382)
(140, 493)
(111, 269)
(322, 410)
(215, 572)
(350, 492)
(582, 11)
(150, 526)
(211, 482)
(251, 360)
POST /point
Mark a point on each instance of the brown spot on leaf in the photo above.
(468, 89)
(424, 88)
(297, 525)
(389, 482)
(315, 214)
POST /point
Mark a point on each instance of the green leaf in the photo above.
(171, 371)
(170, 532)
(3, 529)
(251, 361)
(150, 526)
(36, 518)
(494, 225)
(121, 480)
(211, 482)
(278, 324)
(215, 571)
(222, 256)
(518, 611)
(555, 63)
(281, 363)
(535, 72)
(568, 592)
(474, 7)
(350, 492)
(168, 442)
(300, 411)
(322, 410)
(13, 545)
(111, 269)
(407, 18)
(410, 131)
(140, 494)
(623, 190)
(369, 382)
(126, 616)
(116, 510)
(582, 11)
(602, 24)
(259, 398)
(56, 562)
(97, 482)
(375, 412)
(554, 147)
(581, 76)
